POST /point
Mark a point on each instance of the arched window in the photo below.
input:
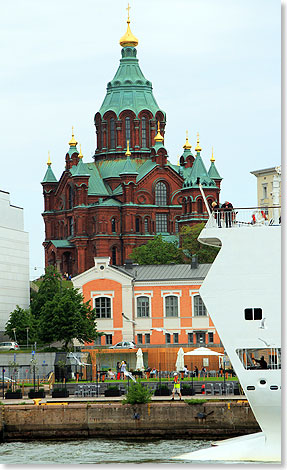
(171, 306)
(146, 227)
(112, 134)
(113, 225)
(143, 306)
(144, 132)
(199, 206)
(199, 307)
(137, 224)
(103, 307)
(176, 226)
(114, 255)
(160, 194)
(128, 130)
(71, 197)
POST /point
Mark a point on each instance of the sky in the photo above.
(214, 66)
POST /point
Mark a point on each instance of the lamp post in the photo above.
(14, 331)
(27, 329)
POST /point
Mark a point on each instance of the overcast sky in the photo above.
(214, 66)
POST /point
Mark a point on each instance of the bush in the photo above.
(187, 390)
(162, 390)
(196, 401)
(138, 393)
(112, 391)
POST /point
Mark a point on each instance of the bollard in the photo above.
(203, 389)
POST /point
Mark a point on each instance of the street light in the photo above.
(14, 331)
(27, 329)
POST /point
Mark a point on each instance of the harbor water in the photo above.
(99, 451)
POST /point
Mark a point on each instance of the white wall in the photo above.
(14, 260)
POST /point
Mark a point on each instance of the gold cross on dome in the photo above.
(128, 11)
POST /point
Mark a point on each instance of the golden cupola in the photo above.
(128, 39)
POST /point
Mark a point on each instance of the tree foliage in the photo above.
(191, 246)
(57, 314)
(49, 287)
(157, 251)
(21, 319)
(67, 316)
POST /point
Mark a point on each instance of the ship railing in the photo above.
(245, 217)
(251, 358)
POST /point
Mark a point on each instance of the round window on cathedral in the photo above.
(102, 267)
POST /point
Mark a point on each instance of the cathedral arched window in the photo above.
(146, 225)
(137, 224)
(71, 197)
(113, 225)
(199, 206)
(176, 229)
(114, 255)
(160, 194)
(112, 134)
(128, 129)
(144, 144)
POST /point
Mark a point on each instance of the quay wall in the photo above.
(210, 420)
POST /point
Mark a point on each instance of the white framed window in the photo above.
(103, 307)
(143, 306)
(171, 306)
(199, 309)
(103, 303)
(264, 190)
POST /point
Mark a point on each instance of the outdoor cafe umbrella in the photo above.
(179, 365)
(203, 352)
(139, 364)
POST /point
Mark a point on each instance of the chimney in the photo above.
(129, 264)
(194, 262)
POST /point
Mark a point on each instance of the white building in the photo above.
(14, 260)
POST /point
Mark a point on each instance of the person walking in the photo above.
(176, 385)
(118, 370)
(123, 369)
(196, 371)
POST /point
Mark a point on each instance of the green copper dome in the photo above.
(129, 88)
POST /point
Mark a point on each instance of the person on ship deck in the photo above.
(262, 363)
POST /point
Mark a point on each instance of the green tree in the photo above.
(49, 287)
(66, 317)
(138, 393)
(191, 246)
(20, 320)
(157, 251)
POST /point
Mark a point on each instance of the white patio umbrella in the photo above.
(179, 365)
(203, 352)
(139, 364)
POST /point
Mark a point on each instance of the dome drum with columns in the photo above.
(130, 191)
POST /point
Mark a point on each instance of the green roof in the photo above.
(62, 243)
(49, 176)
(72, 149)
(197, 170)
(129, 168)
(110, 202)
(81, 169)
(129, 88)
(213, 173)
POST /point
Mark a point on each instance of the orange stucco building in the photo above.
(157, 307)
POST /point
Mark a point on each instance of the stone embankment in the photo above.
(210, 420)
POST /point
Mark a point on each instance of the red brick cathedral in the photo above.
(130, 192)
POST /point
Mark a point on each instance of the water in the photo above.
(100, 451)
(97, 451)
